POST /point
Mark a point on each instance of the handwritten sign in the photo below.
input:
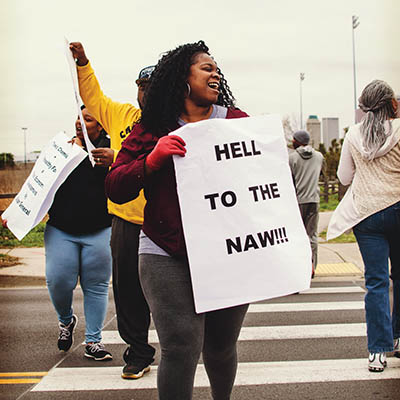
(243, 230)
(57, 160)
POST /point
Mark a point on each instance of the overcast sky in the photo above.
(260, 45)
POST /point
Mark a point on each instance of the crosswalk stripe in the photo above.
(272, 332)
(302, 331)
(257, 373)
(316, 306)
(333, 289)
(250, 373)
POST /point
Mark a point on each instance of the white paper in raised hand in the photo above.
(74, 76)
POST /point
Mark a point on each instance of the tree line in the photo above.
(6, 160)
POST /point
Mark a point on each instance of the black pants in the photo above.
(133, 314)
(184, 334)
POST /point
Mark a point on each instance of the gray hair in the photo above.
(376, 101)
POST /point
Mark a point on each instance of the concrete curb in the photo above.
(10, 281)
(335, 260)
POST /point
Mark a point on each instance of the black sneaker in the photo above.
(97, 352)
(66, 337)
(135, 370)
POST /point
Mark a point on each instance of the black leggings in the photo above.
(184, 334)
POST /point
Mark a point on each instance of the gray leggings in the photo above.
(310, 215)
(184, 334)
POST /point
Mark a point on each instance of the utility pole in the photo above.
(355, 23)
(301, 99)
(24, 130)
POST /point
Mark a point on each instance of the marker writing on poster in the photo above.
(256, 241)
(228, 198)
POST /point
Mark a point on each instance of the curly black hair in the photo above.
(165, 93)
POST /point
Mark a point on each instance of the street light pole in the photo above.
(355, 23)
(301, 99)
(24, 129)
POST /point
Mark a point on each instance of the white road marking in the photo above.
(333, 289)
(317, 306)
(272, 332)
(257, 373)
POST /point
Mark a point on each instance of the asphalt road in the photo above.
(306, 346)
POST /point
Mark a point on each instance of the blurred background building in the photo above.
(313, 126)
(330, 130)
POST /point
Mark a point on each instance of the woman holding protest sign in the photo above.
(370, 163)
(77, 240)
(186, 86)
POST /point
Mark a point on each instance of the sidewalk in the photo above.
(335, 259)
(31, 271)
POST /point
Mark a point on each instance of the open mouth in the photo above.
(214, 85)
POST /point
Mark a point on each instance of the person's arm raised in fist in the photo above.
(78, 52)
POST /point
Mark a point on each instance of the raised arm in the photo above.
(78, 53)
(98, 104)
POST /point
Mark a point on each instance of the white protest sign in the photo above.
(74, 76)
(57, 160)
(243, 230)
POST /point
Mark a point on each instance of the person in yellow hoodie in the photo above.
(133, 315)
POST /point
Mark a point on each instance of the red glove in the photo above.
(165, 148)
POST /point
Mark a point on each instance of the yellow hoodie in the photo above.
(118, 120)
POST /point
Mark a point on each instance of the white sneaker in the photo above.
(396, 346)
(377, 362)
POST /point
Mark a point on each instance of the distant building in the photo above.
(330, 131)
(313, 126)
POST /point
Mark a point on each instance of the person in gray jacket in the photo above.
(306, 164)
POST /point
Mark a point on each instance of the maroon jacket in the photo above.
(162, 216)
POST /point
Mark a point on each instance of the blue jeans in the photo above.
(87, 257)
(378, 238)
